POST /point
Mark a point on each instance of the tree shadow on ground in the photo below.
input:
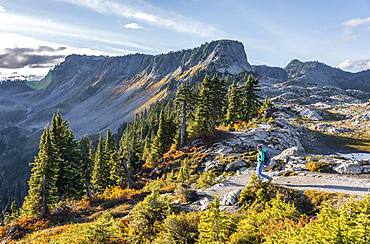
(329, 144)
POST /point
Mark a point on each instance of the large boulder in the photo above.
(234, 166)
(310, 114)
(349, 168)
(213, 165)
(231, 198)
(290, 152)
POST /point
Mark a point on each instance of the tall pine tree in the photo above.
(66, 147)
(232, 104)
(87, 162)
(159, 142)
(249, 100)
(100, 174)
(42, 184)
(183, 102)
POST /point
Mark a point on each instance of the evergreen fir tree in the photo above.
(215, 226)
(100, 174)
(232, 104)
(116, 172)
(111, 165)
(87, 163)
(146, 149)
(42, 184)
(66, 147)
(184, 174)
(203, 121)
(158, 146)
(183, 102)
(249, 100)
(219, 100)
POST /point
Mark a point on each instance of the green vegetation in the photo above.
(81, 194)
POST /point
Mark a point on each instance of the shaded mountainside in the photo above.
(95, 93)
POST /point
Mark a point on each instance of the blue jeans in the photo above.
(259, 173)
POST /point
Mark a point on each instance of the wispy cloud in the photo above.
(176, 22)
(134, 26)
(356, 22)
(40, 57)
(356, 65)
(14, 23)
(2, 9)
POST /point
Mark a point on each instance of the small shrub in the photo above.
(181, 228)
(316, 166)
(116, 192)
(216, 226)
(105, 230)
(258, 224)
(256, 194)
(146, 217)
(206, 179)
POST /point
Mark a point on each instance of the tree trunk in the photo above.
(45, 210)
(88, 190)
(129, 180)
(182, 127)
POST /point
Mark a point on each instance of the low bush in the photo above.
(146, 217)
(181, 228)
(206, 179)
(257, 193)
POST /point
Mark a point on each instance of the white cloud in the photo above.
(134, 26)
(10, 40)
(356, 22)
(13, 23)
(2, 9)
(176, 22)
(355, 65)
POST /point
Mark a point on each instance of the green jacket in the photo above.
(261, 156)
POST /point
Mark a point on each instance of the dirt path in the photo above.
(316, 181)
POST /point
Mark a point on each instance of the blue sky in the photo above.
(36, 34)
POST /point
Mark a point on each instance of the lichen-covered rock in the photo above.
(234, 166)
(349, 168)
(231, 198)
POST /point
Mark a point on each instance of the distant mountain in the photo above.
(317, 73)
(271, 72)
(97, 92)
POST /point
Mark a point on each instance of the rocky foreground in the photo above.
(342, 168)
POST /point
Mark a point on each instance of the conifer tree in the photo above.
(203, 115)
(116, 172)
(249, 100)
(66, 147)
(109, 144)
(100, 174)
(42, 184)
(232, 104)
(109, 160)
(146, 149)
(158, 146)
(219, 100)
(87, 162)
(214, 226)
(183, 174)
(183, 102)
